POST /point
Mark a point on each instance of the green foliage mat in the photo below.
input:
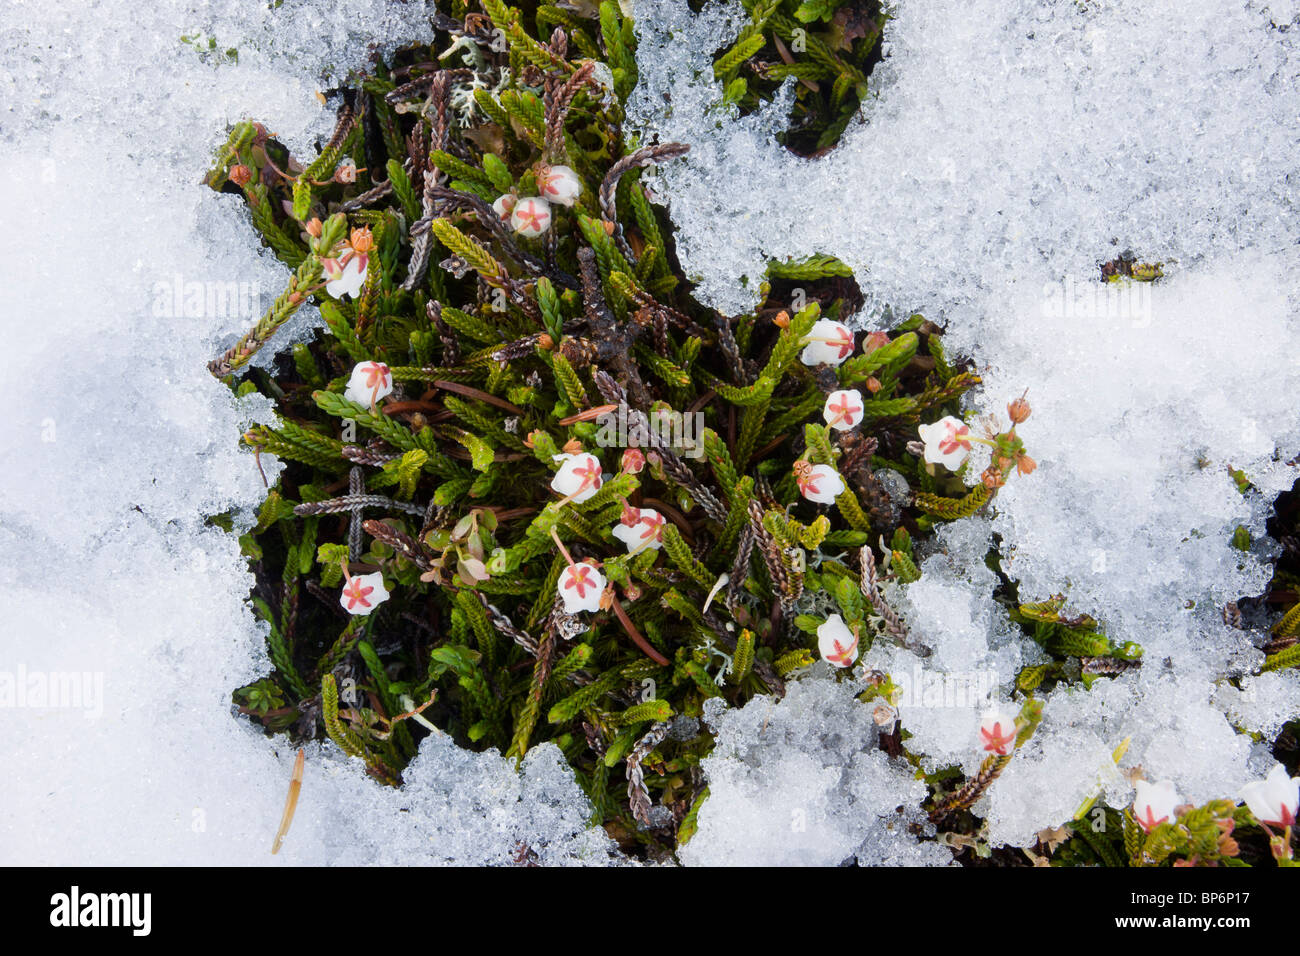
(505, 351)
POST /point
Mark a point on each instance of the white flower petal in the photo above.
(829, 343)
(560, 184)
(368, 383)
(579, 477)
(837, 645)
(580, 587)
(531, 217)
(362, 593)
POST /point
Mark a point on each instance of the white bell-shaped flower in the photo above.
(829, 343)
(579, 477)
(843, 409)
(645, 532)
(947, 442)
(1154, 804)
(998, 733)
(1275, 799)
(362, 593)
(559, 184)
(837, 645)
(369, 382)
(580, 587)
(819, 483)
(504, 205)
(346, 275)
(531, 217)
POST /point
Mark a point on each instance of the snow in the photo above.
(800, 782)
(1009, 147)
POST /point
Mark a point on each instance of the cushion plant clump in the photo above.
(532, 492)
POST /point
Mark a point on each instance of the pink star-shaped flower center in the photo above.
(356, 593)
(845, 411)
(580, 579)
(843, 655)
(653, 526)
(1150, 823)
(843, 341)
(590, 475)
(996, 739)
(376, 375)
(529, 216)
(956, 438)
(808, 483)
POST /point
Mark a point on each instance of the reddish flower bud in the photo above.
(633, 461)
(362, 239)
(874, 341)
(1018, 410)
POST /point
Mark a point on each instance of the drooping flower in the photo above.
(579, 477)
(346, 273)
(531, 217)
(837, 645)
(843, 409)
(580, 587)
(644, 531)
(504, 205)
(818, 483)
(633, 461)
(369, 382)
(947, 442)
(345, 276)
(829, 343)
(362, 593)
(1154, 804)
(559, 184)
(1275, 799)
(240, 175)
(998, 733)
(346, 172)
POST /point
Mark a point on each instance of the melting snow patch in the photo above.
(1008, 150)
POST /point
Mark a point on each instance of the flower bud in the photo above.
(633, 461)
(559, 184)
(346, 172)
(1018, 410)
(362, 239)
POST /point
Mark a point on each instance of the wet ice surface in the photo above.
(1012, 146)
